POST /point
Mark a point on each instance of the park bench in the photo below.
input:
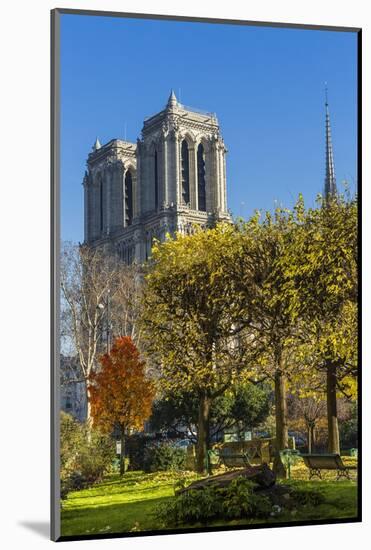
(318, 462)
(231, 459)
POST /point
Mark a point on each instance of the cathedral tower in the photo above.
(173, 178)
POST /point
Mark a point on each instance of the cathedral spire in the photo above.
(172, 101)
(330, 180)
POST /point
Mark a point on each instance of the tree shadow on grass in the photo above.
(112, 518)
(130, 477)
(125, 517)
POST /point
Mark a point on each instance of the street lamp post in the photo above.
(107, 307)
(108, 321)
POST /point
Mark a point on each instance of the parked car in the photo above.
(261, 434)
(182, 444)
(300, 441)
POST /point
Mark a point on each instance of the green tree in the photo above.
(269, 334)
(249, 405)
(321, 269)
(190, 320)
(244, 406)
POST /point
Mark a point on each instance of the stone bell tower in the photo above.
(173, 178)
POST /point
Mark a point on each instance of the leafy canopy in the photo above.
(121, 395)
(191, 312)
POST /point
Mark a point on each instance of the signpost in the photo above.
(289, 457)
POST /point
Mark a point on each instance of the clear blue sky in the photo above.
(266, 86)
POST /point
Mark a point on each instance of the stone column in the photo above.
(160, 178)
(151, 181)
(196, 178)
(108, 200)
(123, 197)
(165, 194)
(221, 178)
(208, 173)
(143, 178)
(217, 177)
(120, 195)
(138, 246)
(170, 171)
(94, 215)
(212, 178)
(178, 178)
(146, 188)
(225, 207)
(192, 177)
(87, 211)
(137, 207)
(103, 200)
(115, 199)
(99, 204)
(134, 184)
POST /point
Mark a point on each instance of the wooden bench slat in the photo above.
(318, 462)
(228, 457)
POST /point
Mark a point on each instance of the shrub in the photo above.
(95, 457)
(135, 448)
(71, 440)
(85, 455)
(237, 500)
(74, 482)
(190, 507)
(349, 429)
(210, 503)
(240, 501)
(163, 457)
(307, 496)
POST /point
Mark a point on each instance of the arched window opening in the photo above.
(100, 204)
(185, 172)
(156, 181)
(128, 198)
(201, 185)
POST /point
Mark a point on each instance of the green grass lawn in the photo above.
(340, 503)
(128, 504)
(117, 505)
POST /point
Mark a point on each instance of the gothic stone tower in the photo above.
(170, 180)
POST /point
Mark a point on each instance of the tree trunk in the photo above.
(203, 434)
(282, 439)
(309, 436)
(332, 418)
(89, 418)
(122, 453)
(88, 409)
(314, 437)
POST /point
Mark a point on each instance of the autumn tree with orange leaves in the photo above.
(121, 394)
